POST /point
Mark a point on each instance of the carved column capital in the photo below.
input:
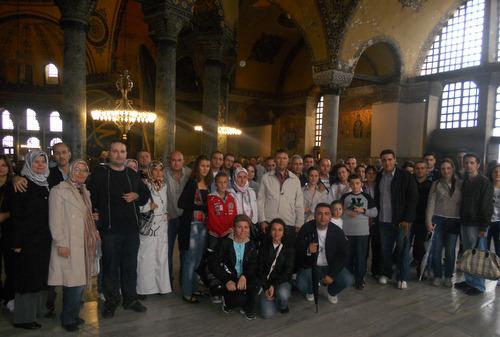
(166, 18)
(76, 12)
(332, 80)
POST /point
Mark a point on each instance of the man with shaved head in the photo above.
(176, 176)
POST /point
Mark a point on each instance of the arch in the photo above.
(33, 143)
(51, 74)
(7, 123)
(55, 122)
(54, 141)
(31, 120)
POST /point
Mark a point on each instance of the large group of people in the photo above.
(250, 231)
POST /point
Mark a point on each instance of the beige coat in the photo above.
(66, 220)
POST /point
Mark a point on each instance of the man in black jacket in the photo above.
(322, 245)
(475, 215)
(396, 196)
(117, 192)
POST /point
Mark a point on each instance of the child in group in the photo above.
(337, 210)
(221, 211)
(359, 207)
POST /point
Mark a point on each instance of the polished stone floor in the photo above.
(422, 310)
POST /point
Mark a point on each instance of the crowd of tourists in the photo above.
(249, 231)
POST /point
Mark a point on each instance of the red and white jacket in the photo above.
(221, 213)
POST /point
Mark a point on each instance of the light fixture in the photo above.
(124, 115)
(198, 128)
(229, 131)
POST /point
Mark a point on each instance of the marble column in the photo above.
(74, 22)
(224, 103)
(165, 19)
(211, 104)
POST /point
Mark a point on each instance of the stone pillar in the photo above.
(331, 81)
(165, 21)
(211, 104)
(74, 22)
(223, 118)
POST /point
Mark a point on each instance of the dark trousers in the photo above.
(356, 261)
(173, 230)
(71, 305)
(119, 267)
(376, 249)
(395, 239)
(494, 235)
(241, 299)
(418, 235)
(7, 287)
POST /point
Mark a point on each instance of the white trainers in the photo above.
(436, 282)
(310, 297)
(402, 285)
(333, 299)
(382, 280)
(10, 305)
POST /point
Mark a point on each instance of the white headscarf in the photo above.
(38, 178)
(238, 188)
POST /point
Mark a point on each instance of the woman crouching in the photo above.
(235, 266)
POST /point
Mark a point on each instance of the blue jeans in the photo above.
(470, 236)
(343, 280)
(494, 235)
(71, 305)
(173, 229)
(281, 295)
(391, 235)
(192, 258)
(449, 241)
(356, 262)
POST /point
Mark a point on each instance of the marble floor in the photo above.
(422, 310)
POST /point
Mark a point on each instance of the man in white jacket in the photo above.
(280, 196)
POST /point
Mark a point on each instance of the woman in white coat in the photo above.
(152, 259)
(74, 241)
(246, 198)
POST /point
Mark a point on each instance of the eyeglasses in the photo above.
(77, 170)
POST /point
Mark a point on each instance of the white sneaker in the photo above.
(448, 283)
(436, 282)
(216, 299)
(333, 299)
(10, 305)
(402, 285)
(310, 297)
(382, 280)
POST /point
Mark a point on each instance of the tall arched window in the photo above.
(31, 120)
(318, 122)
(8, 145)
(51, 74)
(7, 121)
(460, 41)
(496, 126)
(54, 141)
(459, 105)
(56, 124)
(33, 143)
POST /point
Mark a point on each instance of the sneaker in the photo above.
(402, 285)
(249, 316)
(216, 299)
(436, 282)
(461, 285)
(70, 327)
(101, 297)
(28, 326)
(333, 299)
(447, 282)
(108, 312)
(136, 306)
(310, 297)
(382, 280)
(142, 297)
(285, 311)
(10, 306)
(471, 291)
(224, 308)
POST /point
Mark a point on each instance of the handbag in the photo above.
(272, 265)
(146, 222)
(480, 263)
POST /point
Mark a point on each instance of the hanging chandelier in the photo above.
(124, 115)
(229, 131)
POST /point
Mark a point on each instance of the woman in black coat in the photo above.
(31, 241)
(276, 265)
(235, 265)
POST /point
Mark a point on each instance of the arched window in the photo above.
(51, 74)
(31, 120)
(459, 105)
(54, 141)
(56, 124)
(496, 126)
(33, 143)
(318, 122)
(459, 43)
(7, 121)
(8, 145)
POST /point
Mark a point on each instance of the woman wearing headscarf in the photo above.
(152, 260)
(246, 198)
(74, 242)
(31, 242)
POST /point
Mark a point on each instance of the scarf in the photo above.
(38, 178)
(90, 233)
(244, 192)
(156, 184)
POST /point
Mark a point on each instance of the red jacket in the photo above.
(221, 213)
